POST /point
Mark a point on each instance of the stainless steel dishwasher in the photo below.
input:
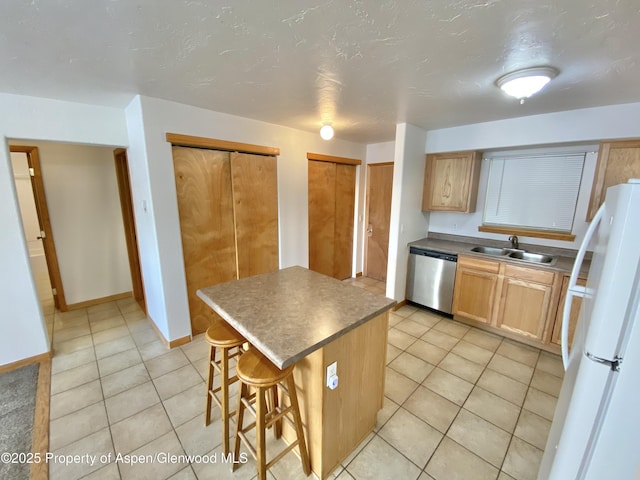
(430, 278)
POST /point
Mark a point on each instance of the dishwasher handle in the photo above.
(434, 254)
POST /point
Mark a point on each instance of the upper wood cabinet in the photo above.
(617, 163)
(451, 181)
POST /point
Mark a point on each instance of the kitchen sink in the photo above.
(491, 250)
(516, 254)
(533, 257)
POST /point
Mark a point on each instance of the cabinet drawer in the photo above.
(532, 274)
(478, 264)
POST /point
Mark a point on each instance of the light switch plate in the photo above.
(332, 370)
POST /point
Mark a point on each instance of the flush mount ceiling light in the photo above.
(521, 84)
(326, 132)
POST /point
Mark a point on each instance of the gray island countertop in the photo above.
(290, 313)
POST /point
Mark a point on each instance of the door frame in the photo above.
(129, 222)
(365, 263)
(48, 244)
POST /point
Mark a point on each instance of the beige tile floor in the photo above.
(460, 403)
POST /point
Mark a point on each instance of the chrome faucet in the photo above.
(514, 241)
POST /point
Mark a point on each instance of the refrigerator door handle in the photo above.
(614, 364)
(574, 290)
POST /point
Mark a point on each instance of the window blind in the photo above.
(538, 192)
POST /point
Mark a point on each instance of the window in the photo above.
(537, 192)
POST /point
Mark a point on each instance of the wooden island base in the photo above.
(336, 421)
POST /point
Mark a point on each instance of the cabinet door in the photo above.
(617, 163)
(576, 303)
(524, 307)
(474, 294)
(254, 181)
(451, 182)
(203, 186)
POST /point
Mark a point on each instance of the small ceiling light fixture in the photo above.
(326, 132)
(521, 84)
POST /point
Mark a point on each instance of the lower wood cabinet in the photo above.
(475, 289)
(576, 303)
(524, 307)
(519, 300)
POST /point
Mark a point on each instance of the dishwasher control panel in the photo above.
(450, 257)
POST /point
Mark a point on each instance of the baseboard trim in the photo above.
(43, 357)
(179, 341)
(170, 344)
(40, 433)
(98, 301)
(399, 305)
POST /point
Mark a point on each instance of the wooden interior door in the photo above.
(37, 184)
(128, 220)
(254, 181)
(376, 246)
(322, 216)
(203, 186)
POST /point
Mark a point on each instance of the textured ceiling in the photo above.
(362, 65)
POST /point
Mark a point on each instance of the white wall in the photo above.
(408, 222)
(585, 126)
(582, 125)
(159, 227)
(84, 207)
(381, 152)
(22, 330)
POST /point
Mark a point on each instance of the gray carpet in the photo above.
(17, 406)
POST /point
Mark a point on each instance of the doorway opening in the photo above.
(89, 203)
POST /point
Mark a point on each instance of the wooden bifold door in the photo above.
(332, 189)
(228, 207)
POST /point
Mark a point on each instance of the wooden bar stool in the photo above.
(220, 335)
(256, 371)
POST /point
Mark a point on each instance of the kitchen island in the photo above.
(296, 316)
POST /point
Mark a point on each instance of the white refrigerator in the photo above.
(595, 433)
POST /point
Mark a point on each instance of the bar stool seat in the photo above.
(256, 371)
(220, 335)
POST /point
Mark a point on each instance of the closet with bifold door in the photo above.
(332, 195)
(228, 208)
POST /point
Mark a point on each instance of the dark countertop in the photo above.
(290, 313)
(463, 245)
